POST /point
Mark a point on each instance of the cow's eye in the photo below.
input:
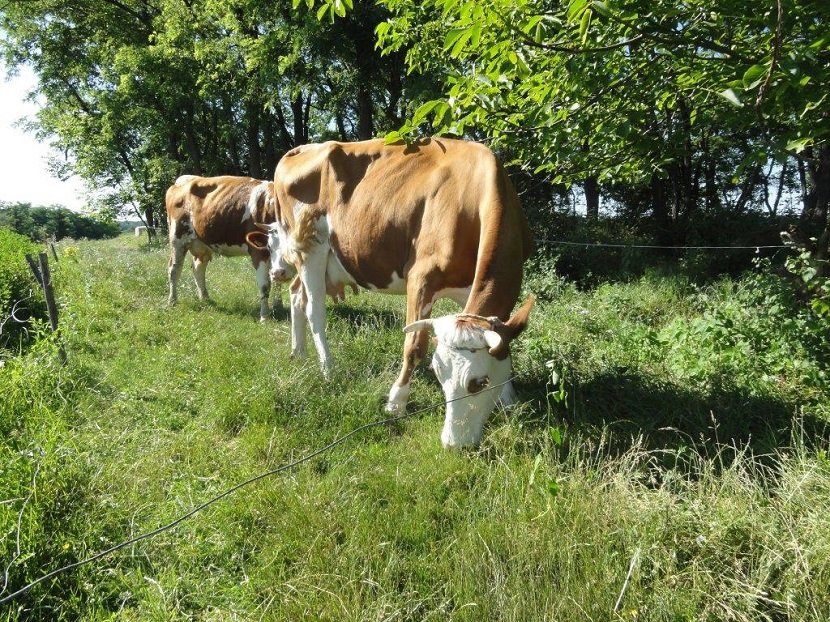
(474, 385)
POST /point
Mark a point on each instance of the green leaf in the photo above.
(456, 50)
(556, 436)
(730, 96)
(452, 36)
(575, 8)
(553, 488)
(475, 35)
(753, 76)
(798, 144)
(584, 24)
(324, 8)
(601, 8)
(423, 110)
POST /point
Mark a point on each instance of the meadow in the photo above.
(668, 459)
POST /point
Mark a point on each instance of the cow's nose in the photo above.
(279, 275)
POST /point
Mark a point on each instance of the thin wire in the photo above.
(679, 248)
(233, 489)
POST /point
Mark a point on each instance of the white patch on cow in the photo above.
(336, 274)
(398, 397)
(396, 286)
(183, 179)
(253, 201)
(458, 294)
(462, 360)
(228, 250)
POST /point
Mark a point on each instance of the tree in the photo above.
(632, 91)
(140, 91)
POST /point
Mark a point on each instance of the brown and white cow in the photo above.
(436, 219)
(212, 215)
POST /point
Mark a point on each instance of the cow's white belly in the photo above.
(396, 286)
(229, 250)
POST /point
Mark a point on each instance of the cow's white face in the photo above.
(274, 238)
(469, 373)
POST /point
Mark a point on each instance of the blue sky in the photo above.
(24, 175)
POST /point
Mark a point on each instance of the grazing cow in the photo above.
(208, 215)
(436, 219)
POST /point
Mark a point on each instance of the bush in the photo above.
(40, 223)
(20, 297)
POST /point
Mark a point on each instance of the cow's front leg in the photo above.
(418, 306)
(313, 277)
(414, 349)
(298, 320)
(263, 281)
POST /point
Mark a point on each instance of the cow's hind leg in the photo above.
(419, 296)
(174, 264)
(200, 263)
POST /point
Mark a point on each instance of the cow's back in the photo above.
(441, 205)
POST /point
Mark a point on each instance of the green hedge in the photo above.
(17, 286)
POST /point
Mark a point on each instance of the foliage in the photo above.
(696, 478)
(21, 300)
(138, 92)
(617, 89)
(812, 273)
(41, 223)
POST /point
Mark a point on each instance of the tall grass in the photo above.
(665, 463)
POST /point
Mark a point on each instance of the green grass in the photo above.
(685, 441)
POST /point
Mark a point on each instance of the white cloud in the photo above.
(24, 175)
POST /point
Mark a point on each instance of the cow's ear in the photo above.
(518, 322)
(257, 240)
(509, 330)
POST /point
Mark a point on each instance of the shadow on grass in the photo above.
(246, 311)
(668, 417)
(367, 316)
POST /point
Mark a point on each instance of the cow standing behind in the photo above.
(212, 215)
(436, 219)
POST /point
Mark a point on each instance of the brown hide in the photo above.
(443, 210)
(213, 208)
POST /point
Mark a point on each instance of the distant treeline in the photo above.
(39, 222)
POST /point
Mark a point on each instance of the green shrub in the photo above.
(20, 296)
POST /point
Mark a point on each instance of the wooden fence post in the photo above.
(33, 267)
(44, 277)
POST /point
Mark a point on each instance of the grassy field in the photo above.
(668, 460)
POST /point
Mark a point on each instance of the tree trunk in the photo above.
(297, 112)
(191, 141)
(252, 135)
(817, 196)
(591, 187)
(660, 210)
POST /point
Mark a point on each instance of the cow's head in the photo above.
(272, 238)
(472, 355)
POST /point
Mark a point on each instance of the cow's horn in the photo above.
(419, 325)
(493, 341)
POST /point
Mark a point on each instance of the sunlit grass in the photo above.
(711, 493)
